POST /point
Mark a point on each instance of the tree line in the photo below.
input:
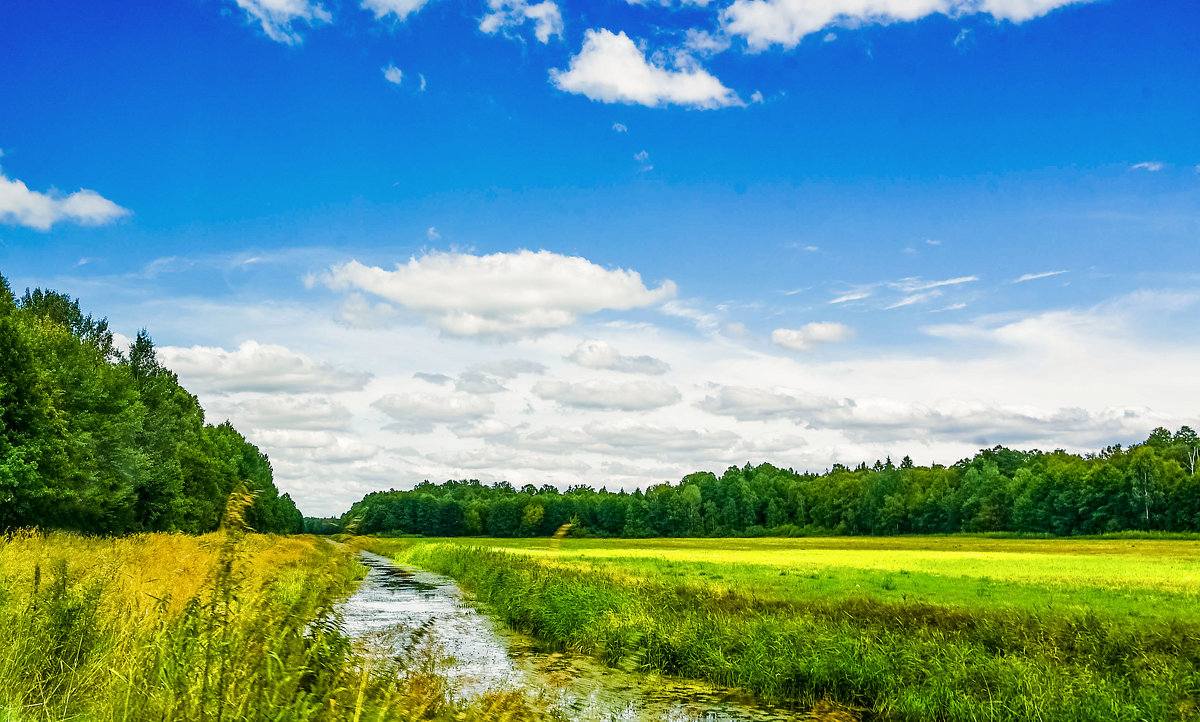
(104, 440)
(1152, 486)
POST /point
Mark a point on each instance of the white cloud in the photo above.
(505, 14)
(851, 296)
(433, 234)
(503, 295)
(23, 207)
(631, 439)
(277, 16)
(357, 312)
(704, 43)
(760, 404)
(623, 396)
(811, 335)
(1035, 276)
(913, 283)
(510, 368)
(400, 8)
(257, 367)
(641, 156)
(764, 23)
(600, 355)
(890, 419)
(1153, 166)
(1072, 378)
(419, 412)
(474, 382)
(281, 411)
(393, 74)
(620, 128)
(611, 69)
(437, 379)
(912, 299)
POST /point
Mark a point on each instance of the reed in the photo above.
(227, 626)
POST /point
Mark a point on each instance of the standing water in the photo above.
(403, 612)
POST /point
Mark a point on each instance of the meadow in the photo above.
(909, 628)
(224, 626)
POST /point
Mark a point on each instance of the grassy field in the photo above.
(923, 628)
(226, 626)
(1142, 579)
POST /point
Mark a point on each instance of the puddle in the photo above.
(405, 612)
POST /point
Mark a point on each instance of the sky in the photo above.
(617, 242)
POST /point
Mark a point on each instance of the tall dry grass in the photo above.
(227, 626)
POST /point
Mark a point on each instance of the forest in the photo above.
(1151, 486)
(103, 440)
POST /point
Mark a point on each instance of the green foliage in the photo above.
(1148, 487)
(95, 441)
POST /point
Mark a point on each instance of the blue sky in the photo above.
(802, 231)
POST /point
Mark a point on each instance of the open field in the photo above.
(922, 628)
(224, 626)
(1133, 577)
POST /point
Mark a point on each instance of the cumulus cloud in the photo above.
(611, 69)
(320, 446)
(419, 412)
(600, 355)
(764, 23)
(277, 16)
(623, 396)
(474, 382)
(395, 76)
(509, 368)
(278, 411)
(257, 367)
(505, 14)
(638, 439)
(32, 209)
(503, 295)
(401, 9)
(704, 43)
(884, 419)
(811, 335)
(438, 379)
(759, 404)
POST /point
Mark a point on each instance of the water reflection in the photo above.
(409, 613)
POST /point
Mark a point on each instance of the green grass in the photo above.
(935, 628)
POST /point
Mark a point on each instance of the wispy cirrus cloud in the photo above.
(1036, 276)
